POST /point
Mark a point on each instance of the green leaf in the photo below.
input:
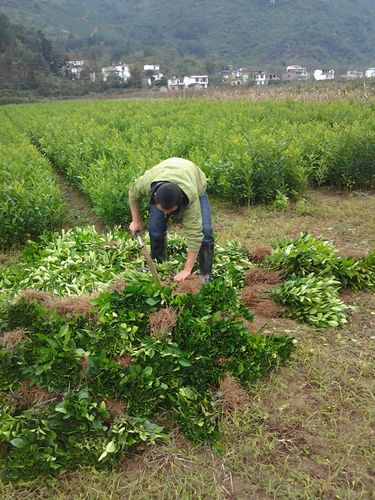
(151, 302)
(18, 442)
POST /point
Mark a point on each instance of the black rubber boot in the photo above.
(159, 249)
(206, 255)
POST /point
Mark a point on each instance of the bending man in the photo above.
(176, 187)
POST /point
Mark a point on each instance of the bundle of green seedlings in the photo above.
(314, 275)
(81, 261)
(84, 379)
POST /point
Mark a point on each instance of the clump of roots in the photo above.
(119, 286)
(29, 396)
(260, 252)
(85, 363)
(11, 339)
(162, 322)
(69, 307)
(76, 305)
(124, 361)
(117, 409)
(233, 396)
(222, 361)
(257, 301)
(43, 298)
(259, 275)
(192, 284)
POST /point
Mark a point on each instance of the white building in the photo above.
(324, 74)
(263, 78)
(151, 67)
(370, 73)
(153, 73)
(354, 75)
(74, 68)
(188, 82)
(176, 83)
(240, 76)
(122, 71)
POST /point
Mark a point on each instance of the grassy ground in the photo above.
(308, 431)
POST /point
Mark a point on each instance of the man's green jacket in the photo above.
(193, 183)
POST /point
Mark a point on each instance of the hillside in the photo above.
(251, 32)
(27, 58)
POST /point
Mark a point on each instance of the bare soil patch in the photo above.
(257, 324)
(354, 253)
(78, 206)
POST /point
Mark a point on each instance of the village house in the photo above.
(188, 82)
(295, 72)
(354, 75)
(120, 71)
(263, 78)
(241, 76)
(226, 73)
(153, 73)
(74, 68)
(324, 74)
(370, 73)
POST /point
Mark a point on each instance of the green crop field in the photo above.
(112, 385)
(251, 152)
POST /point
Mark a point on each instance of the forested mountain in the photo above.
(251, 32)
(27, 58)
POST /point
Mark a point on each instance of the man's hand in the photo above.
(182, 275)
(135, 227)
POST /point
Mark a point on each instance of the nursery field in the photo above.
(252, 152)
(258, 385)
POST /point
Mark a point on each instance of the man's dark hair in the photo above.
(169, 195)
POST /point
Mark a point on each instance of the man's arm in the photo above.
(136, 224)
(189, 264)
(137, 190)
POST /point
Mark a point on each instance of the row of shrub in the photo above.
(30, 200)
(251, 152)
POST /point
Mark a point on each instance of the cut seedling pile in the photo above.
(94, 351)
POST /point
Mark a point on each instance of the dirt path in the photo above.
(79, 208)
